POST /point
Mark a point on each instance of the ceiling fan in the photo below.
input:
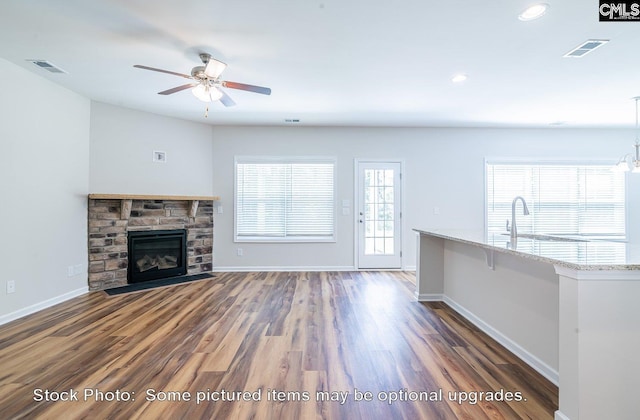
(206, 83)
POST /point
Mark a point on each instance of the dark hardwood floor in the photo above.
(265, 346)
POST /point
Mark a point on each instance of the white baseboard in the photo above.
(537, 364)
(429, 297)
(245, 269)
(4, 319)
(409, 268)
(559, 416)
(288, 269)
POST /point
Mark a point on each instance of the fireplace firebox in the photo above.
(157, 254)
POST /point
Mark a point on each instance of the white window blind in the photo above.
(562, 198)
(285, 200)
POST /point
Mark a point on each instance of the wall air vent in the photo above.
(585, 48)
(48, 66)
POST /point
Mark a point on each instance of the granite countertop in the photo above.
(589, 254)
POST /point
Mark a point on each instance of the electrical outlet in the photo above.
(219, 209)
(70, 271)
(436, 210)
(239, 252)
(11, 286)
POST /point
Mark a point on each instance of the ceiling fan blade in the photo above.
(186, 76)
(214, 68)
(176, 89)
(250, 88)
(226, 99)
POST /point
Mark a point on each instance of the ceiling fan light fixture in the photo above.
(533, 12)
(202, 92)
(214, 68)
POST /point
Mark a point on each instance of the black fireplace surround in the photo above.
(156, 254)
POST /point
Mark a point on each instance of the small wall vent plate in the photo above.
(159, 157)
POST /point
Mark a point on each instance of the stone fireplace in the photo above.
(116, 220)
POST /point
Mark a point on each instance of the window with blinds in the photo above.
(285, 200)
(585, 199)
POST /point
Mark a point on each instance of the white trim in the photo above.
(559, 416)
(356, 215)
(535, 363)
(492, 160)
(356, 207)
(251, 269)
(243, 269)
(282, 159)
(548, 161)
(42, 305)
(429, 297)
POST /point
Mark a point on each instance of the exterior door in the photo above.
(379, 215)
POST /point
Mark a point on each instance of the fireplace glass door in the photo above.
(156, 254)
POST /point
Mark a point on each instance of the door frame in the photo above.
(356, 209)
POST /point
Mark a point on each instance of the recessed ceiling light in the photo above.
(458, 78)
(534, 12)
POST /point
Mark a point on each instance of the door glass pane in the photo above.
(388, 245)
(379, 207)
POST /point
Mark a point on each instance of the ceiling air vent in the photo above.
(586, 47)
(48, 66)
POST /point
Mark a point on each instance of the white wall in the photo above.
(47, 146)
(443, 168)
(122, 145)
(44, 156)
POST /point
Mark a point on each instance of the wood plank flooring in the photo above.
(264, 346)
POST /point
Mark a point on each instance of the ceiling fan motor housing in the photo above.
(198, 72)
(205, 58)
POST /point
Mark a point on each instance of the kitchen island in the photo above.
(568, 307)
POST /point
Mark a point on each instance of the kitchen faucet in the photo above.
(525, 211)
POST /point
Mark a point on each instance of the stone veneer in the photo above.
(108, 246)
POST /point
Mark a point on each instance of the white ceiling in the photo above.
(339, 62)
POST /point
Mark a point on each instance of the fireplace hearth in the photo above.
(157, 254)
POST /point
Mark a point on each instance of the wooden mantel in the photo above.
(152, 197)
(126, 199)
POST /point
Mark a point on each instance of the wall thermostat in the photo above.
(160, 157)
